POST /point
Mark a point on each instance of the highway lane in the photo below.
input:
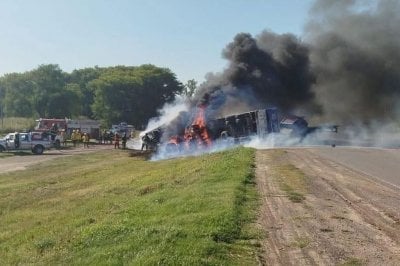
(381, 164)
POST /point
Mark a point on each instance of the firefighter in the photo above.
(78, 137)
(74, 137)
(85, 140)
(124, 139)
(145, 141)
(116, 140)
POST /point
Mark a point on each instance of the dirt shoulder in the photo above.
(340, 215)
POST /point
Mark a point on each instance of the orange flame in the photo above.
(197, 133)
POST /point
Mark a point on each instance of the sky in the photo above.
(186, 36)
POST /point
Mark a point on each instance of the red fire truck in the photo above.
(55, 126)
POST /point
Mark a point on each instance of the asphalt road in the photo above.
(378, 163)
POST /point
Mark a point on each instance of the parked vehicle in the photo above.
(37, 142)
(122, 129)
(53, 125)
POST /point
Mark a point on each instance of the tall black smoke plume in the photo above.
(355, 56)
(269, 70)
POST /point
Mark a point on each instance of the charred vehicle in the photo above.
(242, 126)
(202, 134)
(235, 128)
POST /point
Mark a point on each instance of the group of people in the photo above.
(117, 139)
(78, 137)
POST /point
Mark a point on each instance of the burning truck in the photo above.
(203, 134)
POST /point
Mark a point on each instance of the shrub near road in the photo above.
(108, 208)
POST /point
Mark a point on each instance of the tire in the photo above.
(2, 148)
(38, 149)
(224, 134)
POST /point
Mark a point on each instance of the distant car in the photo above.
(37, 142)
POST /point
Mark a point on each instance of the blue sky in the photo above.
(186, 36)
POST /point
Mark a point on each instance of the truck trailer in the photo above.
(238, 127)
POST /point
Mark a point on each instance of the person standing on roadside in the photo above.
(116, 140)
(124, 139)
(85, 139)
(78, 137)
(73, 137)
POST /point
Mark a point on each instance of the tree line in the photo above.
(111, 94)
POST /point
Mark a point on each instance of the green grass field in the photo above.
(107, 208)
(12, 124)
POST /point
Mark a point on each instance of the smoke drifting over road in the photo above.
(355, 56)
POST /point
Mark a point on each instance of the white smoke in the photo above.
(167, 113)
(275, 140)
(377, 134)
(165, 151)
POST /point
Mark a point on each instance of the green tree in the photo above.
(17, 94)
(190, 88)
(47, 81)
(133, 94)
(67, 102)
(113, 94)
(83, 77)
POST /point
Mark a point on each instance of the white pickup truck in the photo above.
(37, 142)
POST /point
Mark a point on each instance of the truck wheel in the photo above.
(2, 149)
(38, 149)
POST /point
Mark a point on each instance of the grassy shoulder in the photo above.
(108, 208)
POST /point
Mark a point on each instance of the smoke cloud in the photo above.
(347, 69)
(355, 57)
(266, 70)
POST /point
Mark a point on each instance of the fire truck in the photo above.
(55, 126)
